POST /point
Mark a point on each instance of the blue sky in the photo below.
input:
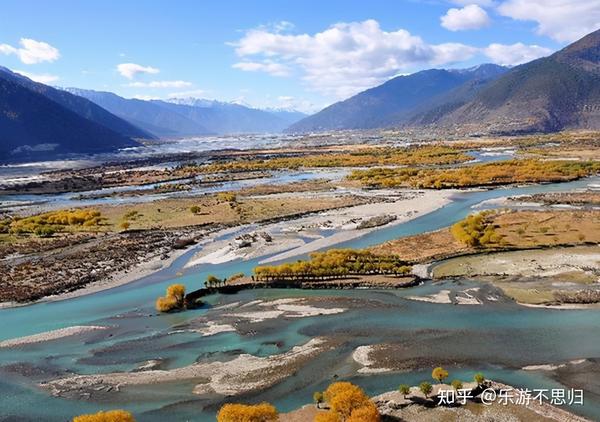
(304, 54)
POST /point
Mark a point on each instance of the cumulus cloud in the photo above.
(346, 57)
(514, 54)
(31, 51)
(275, 69)
(131, 70)
(469, 17)
(562, 20)
(43, 78)
(160, 84)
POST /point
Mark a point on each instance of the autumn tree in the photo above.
(318, 398)
(425, 388)
(348, 402)
(174, 299)
(110, 416)
(233, 412)
(404, 389)
(479, 378)
(439, 374)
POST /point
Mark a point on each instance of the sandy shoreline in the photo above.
(50, 335)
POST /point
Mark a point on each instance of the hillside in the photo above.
(34, 126)
(82, 106)
(558, 92)
(398, 100)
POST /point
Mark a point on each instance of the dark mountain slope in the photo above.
(549, 94)
(394, 102)
(79, 105)
(34, 126)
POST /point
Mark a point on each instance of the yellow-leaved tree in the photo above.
(110, 416)
(233, 412)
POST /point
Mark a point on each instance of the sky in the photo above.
(290, 54)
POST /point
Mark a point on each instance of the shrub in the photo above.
(45, 231)
(166, 304)
(456, 384)
(110, 416)
(125, 225)
(195, 209)
(232, 412)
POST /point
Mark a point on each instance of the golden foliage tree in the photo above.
(174, 299)
(348, 402)
(110, 416)
(233, 412)
(439, 374)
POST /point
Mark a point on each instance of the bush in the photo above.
(456, 384)
(110, 416)
(263, 412)
(45, 231)
(195, 209)
(318, 398)
(125, 225)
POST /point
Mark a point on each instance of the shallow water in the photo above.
(495, 338)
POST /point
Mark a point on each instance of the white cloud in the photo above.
(31, 51)
(469, 17)
(346, 57)
(562, 20)
(130, 70)
(515, 53)
(275, 69)
(43, 78)
(195, 93)
(483, 3)
(160, 84)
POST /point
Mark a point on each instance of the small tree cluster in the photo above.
(334, 263)
(475, 230)
(110, 416)
(174, 299)
(46, 224)
(348, 403)
(233, 412)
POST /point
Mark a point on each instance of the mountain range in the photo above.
(561, 91)
(190, 116)
(558, 92)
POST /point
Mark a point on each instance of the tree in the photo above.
(479, 378)
(176, 291)
(439, 374)
(425, 388)
(195, 209)
(404, 389)
(457, 384)
(233, 412)
(318, 398)
(348, 402)
(110, 416)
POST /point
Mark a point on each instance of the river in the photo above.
(496, 338)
